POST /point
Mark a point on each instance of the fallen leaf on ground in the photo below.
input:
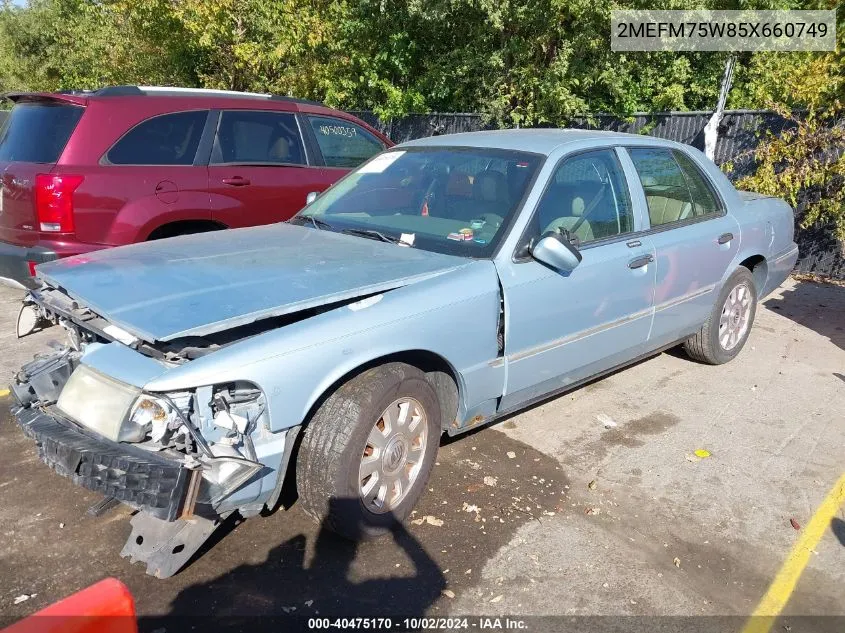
(702, 453)
(592, 485)
(795, 524)
(448, 593)
(677, 561)
(22, 598)
(607, 421)
(428, 519)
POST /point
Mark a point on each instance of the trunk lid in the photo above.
(195, 285)
(32, 138)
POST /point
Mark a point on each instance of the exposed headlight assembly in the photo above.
(156, 414)
(101, 404)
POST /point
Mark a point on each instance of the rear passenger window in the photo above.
(169, 139)
(343, 144)
(37, 132)
(674, 188)
(251, 137)
(703, 199)
(587, 197)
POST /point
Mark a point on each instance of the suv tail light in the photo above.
(54, 201)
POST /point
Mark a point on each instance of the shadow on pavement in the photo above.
(284, 592)
(817, 306)
(837, 526)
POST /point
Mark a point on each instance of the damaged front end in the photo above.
(185, 459)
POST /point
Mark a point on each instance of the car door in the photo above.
(259, 172)
(694, 239)
(151, 176)
(561, 328)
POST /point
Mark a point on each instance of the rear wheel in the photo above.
(726, 330)
(367, 452)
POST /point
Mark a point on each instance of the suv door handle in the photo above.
(236, 181)
(641, 261)
(724, 238)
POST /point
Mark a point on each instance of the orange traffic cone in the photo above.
(105, 607)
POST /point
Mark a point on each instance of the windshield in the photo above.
(457, 201)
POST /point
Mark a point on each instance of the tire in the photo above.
(726, 330)
(346, 430)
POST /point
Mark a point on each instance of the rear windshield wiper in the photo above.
(318, 223)
(374, 235)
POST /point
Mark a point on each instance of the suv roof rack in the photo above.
(168, 91)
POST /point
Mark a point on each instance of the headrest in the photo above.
(490, 186)
(280, 150)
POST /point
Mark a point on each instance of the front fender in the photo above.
(454, 315)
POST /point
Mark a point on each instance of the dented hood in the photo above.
(196, 285)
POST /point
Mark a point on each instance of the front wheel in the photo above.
(367, 452)
(726, 330)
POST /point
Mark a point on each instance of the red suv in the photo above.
(90, 170)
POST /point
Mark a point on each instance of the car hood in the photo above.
(196, 285)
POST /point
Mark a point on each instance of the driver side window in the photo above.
(587, 197)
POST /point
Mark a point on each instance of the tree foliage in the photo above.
(519, 62)
(805, 164)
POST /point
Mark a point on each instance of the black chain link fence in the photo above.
(739, 134)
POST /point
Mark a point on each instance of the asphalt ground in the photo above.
(590, 504)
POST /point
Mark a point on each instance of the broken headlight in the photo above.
(100, 403)
(155, 414)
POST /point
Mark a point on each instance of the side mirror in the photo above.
(311, 197)
(555, 250)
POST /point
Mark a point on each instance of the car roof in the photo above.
(209, 96)
(538, 140)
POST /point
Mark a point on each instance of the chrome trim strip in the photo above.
(779, 258)
(571, 338)
(687, 297)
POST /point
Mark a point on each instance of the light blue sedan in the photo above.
(445, 283)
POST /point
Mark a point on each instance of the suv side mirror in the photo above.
(311, 197)
(557, 251)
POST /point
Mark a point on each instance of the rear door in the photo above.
(153, 175)
(259, 171)
(32, 138)
(694, 239)
(342, 145)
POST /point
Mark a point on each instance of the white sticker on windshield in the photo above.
(380, 163)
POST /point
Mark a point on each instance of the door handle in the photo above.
(236, 181)
(724, 238)
(639, 262)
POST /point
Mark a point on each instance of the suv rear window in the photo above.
(37, 132)
(168, 139)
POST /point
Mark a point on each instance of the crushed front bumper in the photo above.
(141, 479)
